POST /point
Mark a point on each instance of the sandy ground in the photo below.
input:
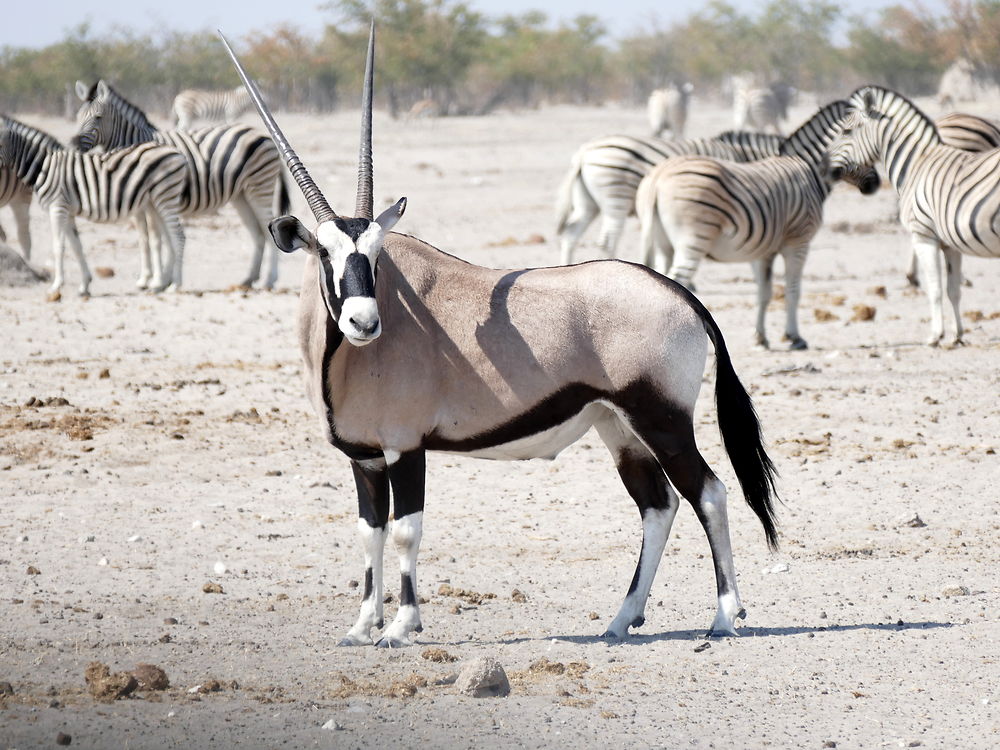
(187, 441)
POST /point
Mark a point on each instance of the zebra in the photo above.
(668, 108)
(760, 108)
(147, 180)
(192, 105)
(605, 173)
(226, 164)
(506, 364)
(949, 199)
(17, 195)
(694, 207)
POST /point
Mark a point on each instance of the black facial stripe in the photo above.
(327, 286)
(358, 280)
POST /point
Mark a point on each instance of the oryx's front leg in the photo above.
(406, 475)
(372, 480)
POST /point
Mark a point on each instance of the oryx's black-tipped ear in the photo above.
(289, 235)
(82, 91)
(388, 218)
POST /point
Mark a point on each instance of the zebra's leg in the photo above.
(254, 221)
(583, 210)
(406, 477)
(795, 262)
(929, 258)
(372, 481)
(20, 206)
(647, 485)
(612, 225)
(74, 241)
(953, 268)
(145, 272)
(912, 276)
(58, 218)
(689, 250)
(763, 275)
(169, 227)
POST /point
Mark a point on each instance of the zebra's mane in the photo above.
(760, 141)
(890, 102)
(811, 140)
(130, 112)
(35, 135)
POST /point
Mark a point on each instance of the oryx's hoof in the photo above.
(391, 642)
(613, 637)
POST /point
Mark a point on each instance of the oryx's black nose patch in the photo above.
(358, 278)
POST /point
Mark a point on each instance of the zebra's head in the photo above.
(346, 249)
(856, 147)
(108, 119)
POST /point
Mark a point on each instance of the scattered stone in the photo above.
(449, 679)
(6, 688)
(86, 539)
(455, 609)
(134, 538)
(104, 374)
(220, 568)
(63, 739)
(107, 687)
(197, 525)
(863, 313)
(702, 647)
(483, 678)
(955, 591)
(22, 538)
(150, 677)
(438, 655)
(472, 597)
(518, 596)
(593, 616)
(829, 743)
(823, 316)
(208, 686)
(104, 272)
(33, 571)
(332, 725)
(535, 239)
(879, 291)
(910, 520)
(780, 568)
(212, 588)
(103, 561)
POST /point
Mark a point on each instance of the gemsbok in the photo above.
(408, 349)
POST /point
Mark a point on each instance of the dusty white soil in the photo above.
(862, 631)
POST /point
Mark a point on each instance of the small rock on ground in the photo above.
(483, 678)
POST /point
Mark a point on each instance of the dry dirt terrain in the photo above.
(167, 499)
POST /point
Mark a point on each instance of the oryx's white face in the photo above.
(347, 251)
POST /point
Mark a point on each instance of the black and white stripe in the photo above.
(17, 195)
(606, 172)
(949, 199)
(147, 180)
(760, 107)
(192, 105)
(692, 207)
(233, 164)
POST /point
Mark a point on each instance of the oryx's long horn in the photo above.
(363, 207)
(317, 202)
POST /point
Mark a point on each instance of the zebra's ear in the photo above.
(102, 88)
(82, 90)
(868, 100)
(289, 235)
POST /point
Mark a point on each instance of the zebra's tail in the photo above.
(741, 433)
(564, 198)
(282, 200)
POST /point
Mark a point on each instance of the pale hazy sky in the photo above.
(36, 23)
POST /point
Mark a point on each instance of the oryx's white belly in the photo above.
(545, 444)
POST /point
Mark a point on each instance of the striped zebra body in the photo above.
(692, 207)
(606, 172)
(192, 105)
(226, 164)
(760, 108)
(668, 109)
(17, 195)
(949, 199)
(141, 181)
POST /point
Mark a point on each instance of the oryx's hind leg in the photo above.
(657, 503)
(372, 480)
(670, 435)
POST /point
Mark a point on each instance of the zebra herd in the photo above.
(153, 178)
(751, 196)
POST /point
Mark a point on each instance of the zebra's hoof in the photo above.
(798, 345)
(54, 296)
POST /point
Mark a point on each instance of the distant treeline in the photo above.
(458, 61)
